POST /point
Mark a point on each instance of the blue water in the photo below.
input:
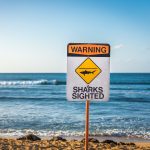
(37, 103)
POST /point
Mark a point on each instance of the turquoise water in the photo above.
(37, 103)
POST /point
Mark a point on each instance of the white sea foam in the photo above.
(32, 82)
(23, 82)
(70, 133)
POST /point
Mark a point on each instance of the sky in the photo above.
(34, 33)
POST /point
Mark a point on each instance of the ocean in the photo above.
(36, 103)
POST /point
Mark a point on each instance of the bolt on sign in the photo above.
(88, 71)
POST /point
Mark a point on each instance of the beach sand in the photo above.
(63, 144)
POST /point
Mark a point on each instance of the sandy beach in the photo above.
(58, 143)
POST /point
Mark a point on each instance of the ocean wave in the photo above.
(130, 89)
(60, 82)
(69, 133)
(9, 98)
(32, 82)
(129, 99)
(130, 82)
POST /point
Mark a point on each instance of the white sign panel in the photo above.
(88, 71)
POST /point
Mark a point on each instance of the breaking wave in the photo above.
(56, 82)
(69, 133)
(32, 82)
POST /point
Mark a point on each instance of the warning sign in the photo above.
(88, 70)
(88, 74)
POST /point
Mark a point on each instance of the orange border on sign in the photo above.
(88, 49)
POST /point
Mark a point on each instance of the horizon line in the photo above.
(57, 72)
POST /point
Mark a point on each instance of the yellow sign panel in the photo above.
(88, 70)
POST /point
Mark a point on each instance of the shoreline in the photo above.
(70, 143)
(79, 138)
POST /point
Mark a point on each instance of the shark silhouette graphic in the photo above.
(87, 72)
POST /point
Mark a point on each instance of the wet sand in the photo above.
(63, 144)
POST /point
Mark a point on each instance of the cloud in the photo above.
(118, 46)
